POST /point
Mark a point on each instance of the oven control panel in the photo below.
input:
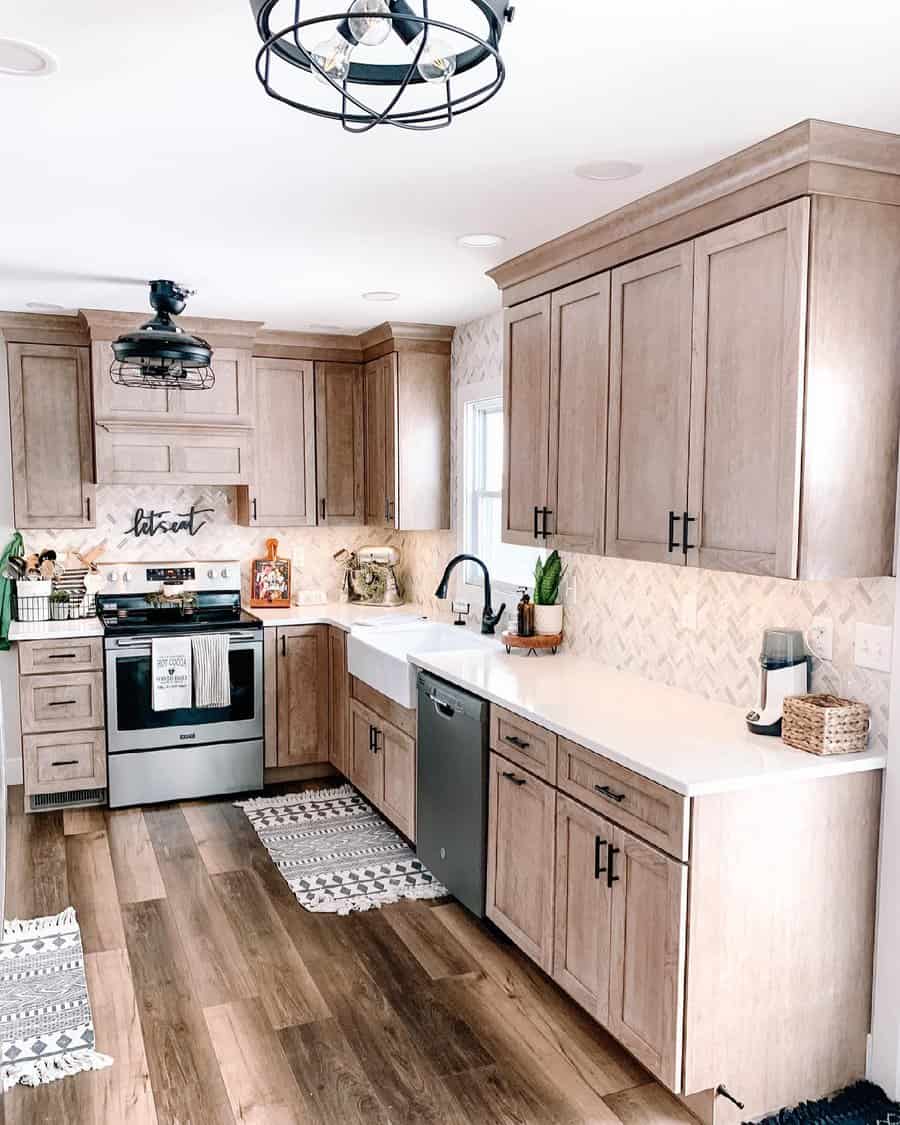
(141, 578)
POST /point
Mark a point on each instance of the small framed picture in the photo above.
(270, 580)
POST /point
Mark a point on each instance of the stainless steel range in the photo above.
(168, 755)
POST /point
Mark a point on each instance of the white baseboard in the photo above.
(14, 774)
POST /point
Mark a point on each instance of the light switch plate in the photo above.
(872, 647)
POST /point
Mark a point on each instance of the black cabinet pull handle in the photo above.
(375, 734)
(283, 645)
(544, 513)
(673, 518)
(598, 844)
(61, 702)
(371, 739)
(67, 762)
(515, 780)
(536, 533)
(605, 791)
(514, 740)
(611, 854)
(254, 507)
(62, 656)
(87, 501)
(725, 1093)
(322, 506)
(685, 533)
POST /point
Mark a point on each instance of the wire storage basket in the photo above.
(825, 724)
(59, 604)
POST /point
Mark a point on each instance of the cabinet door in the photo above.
(303, 677)
(339, 699)
(520, 865)
(284, 490)
(526, 407)
(229, 400)
(376, 417)
(340, 447)
(392, 437)
(50, 424)
(649, 405)
(366, 763)
(747, 392)
(398, 751)
(583, 906)
(579, 383)
(646, 988)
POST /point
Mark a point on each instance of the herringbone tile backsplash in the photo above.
(626, 614)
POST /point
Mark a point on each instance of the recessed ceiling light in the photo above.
(608, 170)
(380, 295)
(480, 241)
(25, 60)
(44, 306)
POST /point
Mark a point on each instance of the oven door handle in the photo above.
(237, 639)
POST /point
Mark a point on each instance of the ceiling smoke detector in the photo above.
(160, 354)
(25, 60)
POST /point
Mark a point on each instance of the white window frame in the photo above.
(470, 587)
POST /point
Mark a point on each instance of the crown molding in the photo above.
(42, 328)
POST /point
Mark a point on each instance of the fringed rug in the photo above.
(336, 853)
(46, 1026)
(863, 1103)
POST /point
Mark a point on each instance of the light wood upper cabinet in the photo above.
(520, 864)
(579, 380)
(749, 333)
(380, 474)
(283, 492)
(304, 673)
(50, 429)
(407, 425)
(581, 951)
(526, 405)
(646, 988)
(649, 408)
(340, 444)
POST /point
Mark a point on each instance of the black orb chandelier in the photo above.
(160, 354)
(425, 70)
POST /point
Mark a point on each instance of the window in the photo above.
(481, 501)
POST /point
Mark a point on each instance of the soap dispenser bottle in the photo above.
(525, 615)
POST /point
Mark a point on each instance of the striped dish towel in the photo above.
(212, 683)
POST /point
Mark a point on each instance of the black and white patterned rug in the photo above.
(46, 1026)
(336, 853)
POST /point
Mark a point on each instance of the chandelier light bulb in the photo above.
(368, 29)
(437, 63)
(333, 56)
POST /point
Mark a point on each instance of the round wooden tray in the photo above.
(539, 642)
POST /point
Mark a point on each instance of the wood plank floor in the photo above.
(224, 1002)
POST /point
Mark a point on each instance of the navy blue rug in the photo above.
(863, 1103)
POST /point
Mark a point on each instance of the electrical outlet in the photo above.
(820, 637)
(297, 558)
(872, 647)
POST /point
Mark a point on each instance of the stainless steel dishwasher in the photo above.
(452, 788)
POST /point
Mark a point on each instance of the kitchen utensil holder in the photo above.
(825, 724)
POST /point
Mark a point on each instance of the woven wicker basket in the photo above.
(825, 724)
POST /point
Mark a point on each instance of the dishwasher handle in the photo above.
(442, 708)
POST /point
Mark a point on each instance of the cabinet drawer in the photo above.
(69, 760)
(524, 743)
(651, 811)
(79, 654)
(55, 703)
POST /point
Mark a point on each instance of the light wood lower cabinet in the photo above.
(383, 766)
(339, 700)
(649, 934)
(520, 864)
(304, 671)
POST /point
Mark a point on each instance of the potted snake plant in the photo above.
(548, 613)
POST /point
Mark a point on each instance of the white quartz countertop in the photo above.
(54, 630)
(341, 614)
(683, 741)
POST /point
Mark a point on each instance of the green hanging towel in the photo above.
(14, 547)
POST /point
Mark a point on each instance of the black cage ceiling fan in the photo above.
(428, 69)
(159, 354)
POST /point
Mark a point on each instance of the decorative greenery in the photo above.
(547, 577)
(59, 596)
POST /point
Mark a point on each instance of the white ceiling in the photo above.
(154, 152)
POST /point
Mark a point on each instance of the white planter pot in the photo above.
(548, 619)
